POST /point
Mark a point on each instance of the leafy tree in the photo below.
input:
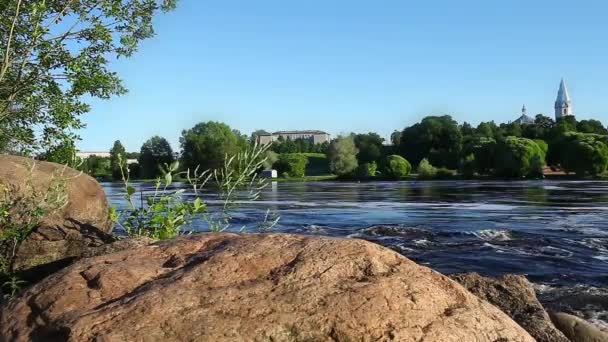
(426, 170)
(207, 144)
(56, 53)
(64, 153)
(468, 165)
(397, 167)
(512, 129)
(543, 121)
(116, 153)
(154, 154)
(270, 157)
(367, 170)
(342, 155)
(484, 150)
(369, 146)
(291, 165)
(487, 129)
(96, 166)
(583, 153)
(519, 157)
(437, 138)
(591, 126)
(466, 129)
(396, 138)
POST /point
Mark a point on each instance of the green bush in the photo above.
(443, 173)
(291, 165)
(397, 167)
(468, 166)
(366, 170)
(318, 164)
(519, 157)
(426, 170)
(584, 154)
(342, 156)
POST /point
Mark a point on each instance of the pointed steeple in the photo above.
(562, 93)
(563, 104)
(524, 111)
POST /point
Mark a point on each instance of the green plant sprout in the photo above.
(21, 210)
(166, 212)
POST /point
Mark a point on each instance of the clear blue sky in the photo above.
(348, 65)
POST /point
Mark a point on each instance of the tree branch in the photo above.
(8, 43)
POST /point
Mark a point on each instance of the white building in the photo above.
(563, 104)
(87, 154)
(101, 154)
(315, 137)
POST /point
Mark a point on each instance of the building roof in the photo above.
(524, 119)
(296, 132)
(562, 93)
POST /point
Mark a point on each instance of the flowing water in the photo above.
(554, 232)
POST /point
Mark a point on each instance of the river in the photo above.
(554, 232)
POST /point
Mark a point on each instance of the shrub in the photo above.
(166, 212)
(519, 157)
(468, 166)
(271, 157)
(584, 154)
(155, 153)
(291, 165)
(443, 173)
(397, 167)
(22, 207)
(342, 156)
(426, 170)
(366, 170)
(318, 164)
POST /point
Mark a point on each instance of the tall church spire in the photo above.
(563, 104)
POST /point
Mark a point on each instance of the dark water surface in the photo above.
(555, 232)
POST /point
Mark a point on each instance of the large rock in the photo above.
(81, 224)
(577, 329)
(252, 287)
(515, 296)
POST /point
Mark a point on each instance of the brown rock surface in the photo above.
(81, 224)
(515, 296)
(252, 287)
(577, 329)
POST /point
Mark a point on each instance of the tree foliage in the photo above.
(369, 146)
(397, 167)
(208, 143)
(425, 170)
(519, 157)
(342, 155)
(591, 126)
(291, 165)
(154, 154)
(54, 53)
(117, 153)
(582, 153)
(437, 138)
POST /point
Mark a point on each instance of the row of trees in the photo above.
(434, 146)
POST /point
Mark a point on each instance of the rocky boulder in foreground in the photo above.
(515, 296)
(251, 287)
(81, 224)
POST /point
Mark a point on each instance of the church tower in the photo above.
(563, 104)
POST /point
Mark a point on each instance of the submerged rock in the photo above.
(253, 287)
(515, 296)
(577, 329)
(62, 236)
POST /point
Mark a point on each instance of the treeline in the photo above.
(435, 147)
